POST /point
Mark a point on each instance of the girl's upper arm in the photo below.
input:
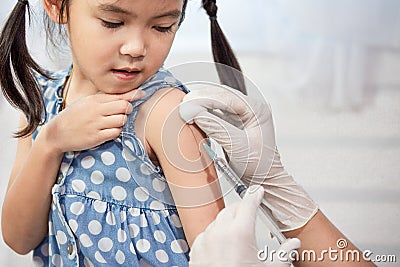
(189, 171)
(23, 148)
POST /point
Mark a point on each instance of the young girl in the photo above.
(106, 172)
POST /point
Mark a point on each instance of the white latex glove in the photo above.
(244, 128)
(230, 239)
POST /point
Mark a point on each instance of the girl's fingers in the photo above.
(116, 107)
(110, 133)
(111, 126)
(130, 96)
(113, 121)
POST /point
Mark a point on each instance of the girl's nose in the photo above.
(134, 46)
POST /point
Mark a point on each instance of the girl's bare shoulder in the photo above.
(158, 116)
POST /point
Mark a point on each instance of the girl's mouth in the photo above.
(125, 75)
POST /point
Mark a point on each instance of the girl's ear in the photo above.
(53, 8)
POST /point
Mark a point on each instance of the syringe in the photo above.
(241, 188)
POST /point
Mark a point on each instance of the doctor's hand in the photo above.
(230, 239)
(241, 125)
(244, 127)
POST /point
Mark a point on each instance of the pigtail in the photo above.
(17, 70)
(183, 12)
(223, 53)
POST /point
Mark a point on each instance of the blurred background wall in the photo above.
(330, 72)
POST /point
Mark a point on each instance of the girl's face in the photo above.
(118, 44)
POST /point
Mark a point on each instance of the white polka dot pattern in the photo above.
(100, 206)
(57, 260)
(134, 211)
(87, 162)
(129, 145)
(105, 244)
(108, 158)
(141, 194)
(121, 235)
(156, 218)
(132, 248)
(97, 177)
(110, 218)
(156, 205)
(179, 246)
(176, 221)
(158, 185)
(93, 195)
(133, 230)
(120, 257)
(78, 185)
(45, 249)
(112, 206)
(118, 192)
(145, 169)
(143, 221)
(87, 263)
(162, 256)
(123, 174)
(126, 154)
(94, 227)
(143, 245)
(61, 237)
(85, 240)
(99, 257)
(122, 216)
(73, 224)
(159, 236)
(77, 208)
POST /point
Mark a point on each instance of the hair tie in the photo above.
(23, 2)
(213, 18)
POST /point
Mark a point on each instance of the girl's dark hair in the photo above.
(17, 70)
(223, 53)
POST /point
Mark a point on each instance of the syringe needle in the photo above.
(241, 188)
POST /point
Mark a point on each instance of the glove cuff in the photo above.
(290, 206)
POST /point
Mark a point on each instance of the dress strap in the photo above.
(162, 79)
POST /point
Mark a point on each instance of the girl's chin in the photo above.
(117, 91)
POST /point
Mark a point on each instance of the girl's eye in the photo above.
(111, 25)
(163, 29)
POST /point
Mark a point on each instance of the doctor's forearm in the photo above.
(319, 235)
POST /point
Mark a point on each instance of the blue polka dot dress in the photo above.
(110, 205)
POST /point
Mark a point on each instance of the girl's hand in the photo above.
(90, 121)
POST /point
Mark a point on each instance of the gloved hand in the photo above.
(244, 128)
(230, 239)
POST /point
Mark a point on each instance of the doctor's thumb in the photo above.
(251, 201)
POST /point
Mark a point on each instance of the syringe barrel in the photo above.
(231, 176)
(241, 188)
